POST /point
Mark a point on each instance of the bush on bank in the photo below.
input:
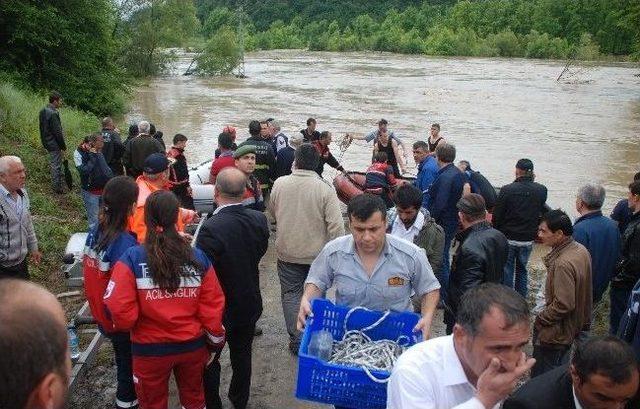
(56, 217)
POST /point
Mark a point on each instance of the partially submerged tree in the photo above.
(221, 54)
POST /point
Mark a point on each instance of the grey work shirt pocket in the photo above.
(396, 291)
(347, 290)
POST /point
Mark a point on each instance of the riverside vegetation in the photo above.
(586, 29)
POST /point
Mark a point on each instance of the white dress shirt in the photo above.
(430, 376)
(399, 230)
(575, 399)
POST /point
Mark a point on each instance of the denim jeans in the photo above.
(619, 302)
(57, 180)
(443, 276)
(92, 205)
(516, 268)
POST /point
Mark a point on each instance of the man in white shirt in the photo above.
(410, 221)
(477, 366)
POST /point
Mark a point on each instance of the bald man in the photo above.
(235, 238)
(34, 364)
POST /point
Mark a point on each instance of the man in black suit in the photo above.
(235, 239)
(603, 374)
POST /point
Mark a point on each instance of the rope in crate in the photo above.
(357, 349)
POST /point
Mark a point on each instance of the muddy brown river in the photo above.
(494, 110)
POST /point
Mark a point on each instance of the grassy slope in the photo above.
(56, 217)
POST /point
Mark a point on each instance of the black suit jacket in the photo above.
(235, 239)
(552, 389)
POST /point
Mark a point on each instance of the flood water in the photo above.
(494, 110)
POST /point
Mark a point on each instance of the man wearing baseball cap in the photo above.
(517, 213)
(155, 176)
(245, 160)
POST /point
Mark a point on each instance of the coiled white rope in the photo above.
(358, 350)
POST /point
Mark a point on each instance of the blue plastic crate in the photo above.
(340, 385)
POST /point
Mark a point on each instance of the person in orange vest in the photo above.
(155, 176)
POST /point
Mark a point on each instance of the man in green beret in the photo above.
(245, 160)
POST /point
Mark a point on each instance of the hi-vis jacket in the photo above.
(161, 322)
(97, 268)
(136, 222)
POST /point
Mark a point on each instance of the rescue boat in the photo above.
(351, 184)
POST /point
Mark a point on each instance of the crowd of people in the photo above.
(169, 302)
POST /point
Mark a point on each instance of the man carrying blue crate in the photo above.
(372, 269)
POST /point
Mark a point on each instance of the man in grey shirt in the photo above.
(17, 235)
(372, 269)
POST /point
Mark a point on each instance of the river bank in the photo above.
(55, 217)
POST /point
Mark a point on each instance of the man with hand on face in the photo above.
(603, 374)
(476, 367)
(372, 269)
(94, 174)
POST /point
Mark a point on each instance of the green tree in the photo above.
(220, 55)
(154, 26)
(67, 46)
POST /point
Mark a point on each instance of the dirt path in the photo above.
(274, 368)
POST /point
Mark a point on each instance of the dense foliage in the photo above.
(89, 50)
(64, 45)
(511, 28)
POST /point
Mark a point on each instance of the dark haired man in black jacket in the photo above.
(480, 256)
(628, 269)
(517, 214)
(235, 239)
(52, 139)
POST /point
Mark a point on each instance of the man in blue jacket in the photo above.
(444, 194)
(94, 174)
(427, 170)
(599, 235)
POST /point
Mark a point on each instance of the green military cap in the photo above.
(243, 150)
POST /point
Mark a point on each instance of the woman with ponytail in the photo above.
(105, 245)
(167, 294)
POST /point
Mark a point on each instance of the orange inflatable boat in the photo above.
(351, 184)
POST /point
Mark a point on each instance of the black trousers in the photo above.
(20, 270)
(240, 341)
(125, 392)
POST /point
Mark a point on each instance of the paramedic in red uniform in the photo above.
(167, 294)
(105, 244)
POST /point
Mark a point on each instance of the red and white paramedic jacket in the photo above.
(161, 322)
